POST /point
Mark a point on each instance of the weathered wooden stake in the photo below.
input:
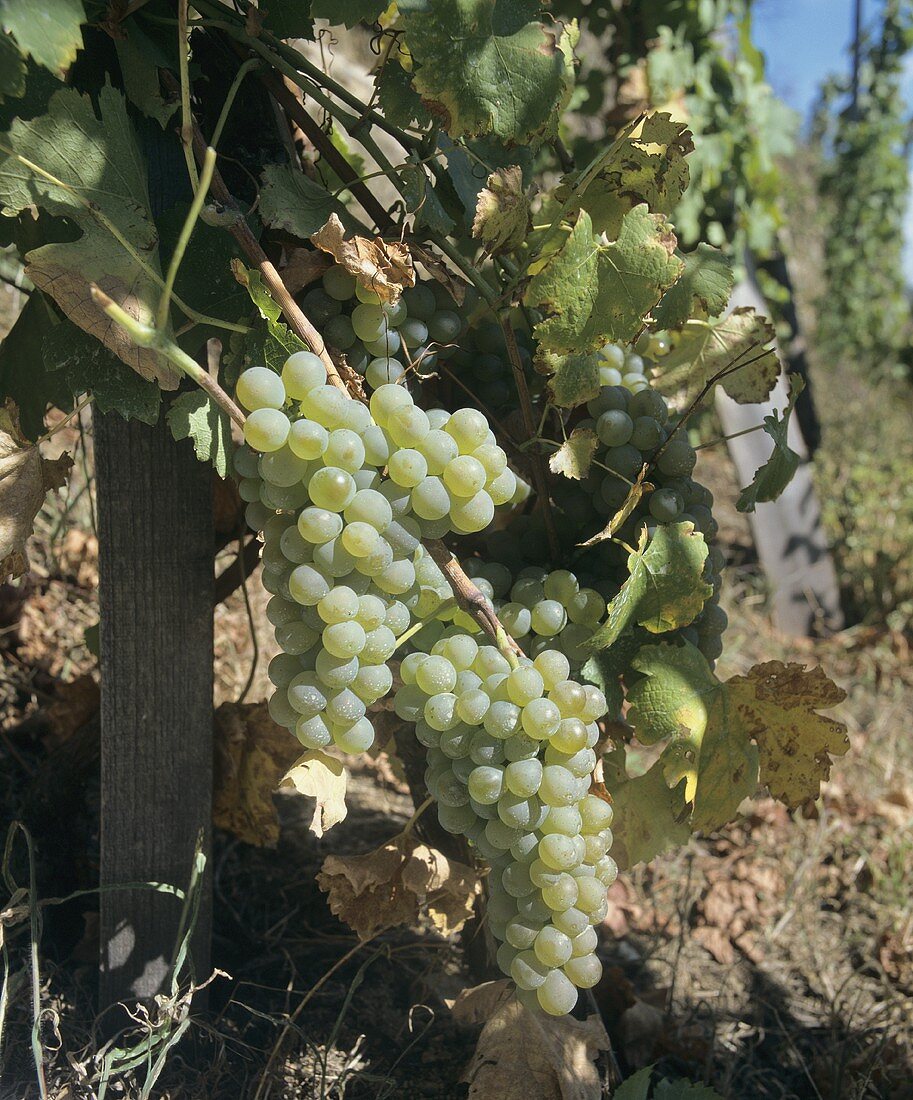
(156, 599)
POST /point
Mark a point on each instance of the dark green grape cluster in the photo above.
(510, 747)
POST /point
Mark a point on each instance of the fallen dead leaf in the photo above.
(25, 480)
(393, 884)
(523, 1055)
(382, 266)
(323, 778)
(252, 754)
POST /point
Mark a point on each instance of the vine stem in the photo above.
(184, 69)
(146, 336)
(537, 464)
(209, 163)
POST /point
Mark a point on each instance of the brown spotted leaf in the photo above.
(523, 1055)
(575, 454)
(778, 704)
(25, 480)
(322, 778)
(382, 266)
(393, 884)
(501, 219)
(252, 754)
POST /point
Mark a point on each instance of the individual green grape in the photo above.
(614, 428)
(469, 429)
(555, 849)
(307, 585)
(524, 684)
(344, 640)
(527, 971)
(383, 371)
(385, 346)
(552, 947)
(339, 605)
(307, 439)
(677, 458)
(339, 283)
(503, 488)
(355, 739)
(260, 388)
(556, 996)
(666, 505)
(584, 971)
(266, 429)
(408, 426)
(313, 733)
(369, 321)
(332, 488)
(444, 326)
(473, 514)
(345, 450)
(523, 777)
(319, 525)
(407, 467)
(303, 372)
(464, 476)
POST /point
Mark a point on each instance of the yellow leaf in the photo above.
(393, 884)
(323, 778)
(501, 219)
(575, 454)
(523, 1055)
(777, 704)
(382, 266)
(25, 480)
(252, 755)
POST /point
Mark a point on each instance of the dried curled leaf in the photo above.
(323, 778)
(252, 754)
(615, 524)
(25, 479)
(502, 211)
(523, 1055)
(382, 266)
(575, 454)
(394, 883)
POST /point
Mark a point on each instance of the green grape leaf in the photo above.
(49, 32)
(649, 817)
(292, 201)
(487, 66)
(12, 69)
(595, 292)
(565, 288)
(501, 219)
(734, 351)
(140, 59)
(422, 201)
(23, 376)
(86, 366)
(665, 588)
(575, 454)
(399, 101)
(777, 472)
(645, 164)
(681, 700)
(101, 186)
(270, 342)
(348, 12)
(573, 379)
(778, 703)
(605, 668)
(703, 288)
(194, 416)
(636, 1087)
(289, 18)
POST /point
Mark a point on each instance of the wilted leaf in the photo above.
(393, 884)
(505, 76)
(49, 32)
(523, 1055)
(382, 266)
(649, 817)
(736, 350)
(322, 778)
(575, 454)
(665, 588)
(292, 201)
(680, 699)
(252, 754)
(645, 164)
(777, 704)
(455, 286)
(304, 266)
(703, 288)
(777, 472)
(25, 480)
(99, 167)
(502, 212)
(615, 524)
(194, 416)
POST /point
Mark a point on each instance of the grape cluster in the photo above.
(510, 754)
(381, 341)
(342, 554)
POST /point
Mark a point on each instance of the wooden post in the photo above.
(791, 544)
(156, 600)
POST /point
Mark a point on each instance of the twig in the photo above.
(145, 336)
(184, 68)
(537, 465)
(247, 67)
(164, 306)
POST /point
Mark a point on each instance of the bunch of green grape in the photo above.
(342, 550)
(510, 755)
(383, 341)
